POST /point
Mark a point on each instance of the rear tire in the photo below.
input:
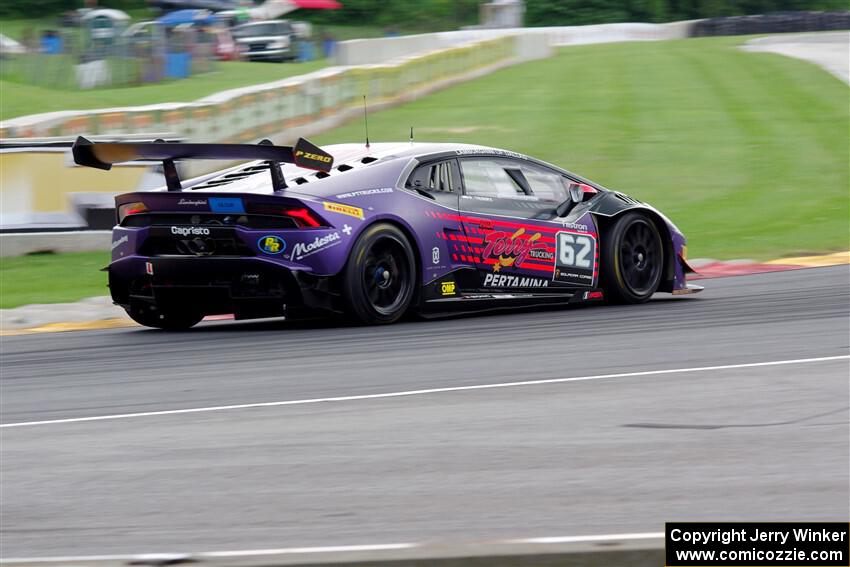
(632, 259)
(379, 279)
(167, 320)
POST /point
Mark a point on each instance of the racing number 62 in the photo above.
(574, 250)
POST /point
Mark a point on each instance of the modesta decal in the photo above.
(510, 249)
(504, 280)
(123, 240)
(303, 249)
(355, 212)
(575, 258)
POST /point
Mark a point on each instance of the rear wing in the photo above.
(104, 155)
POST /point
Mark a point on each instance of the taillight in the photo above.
(128, 209)
(303, 217)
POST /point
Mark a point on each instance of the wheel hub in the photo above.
(383, 277)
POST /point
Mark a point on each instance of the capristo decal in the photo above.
(510, 249)
(303, 249)
(355, 212)
(575, 258)
(505, 280)
(271, 244)
(190, 231)
(365, 192)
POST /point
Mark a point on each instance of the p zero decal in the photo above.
(575, 259)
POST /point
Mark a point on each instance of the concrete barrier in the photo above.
(21, 243)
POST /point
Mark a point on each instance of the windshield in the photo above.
(254, 30)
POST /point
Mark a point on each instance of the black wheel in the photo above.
(380, 275)
(166, 319)
(632, 259)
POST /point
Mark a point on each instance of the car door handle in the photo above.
(485, 223)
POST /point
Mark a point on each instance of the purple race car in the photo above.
(375, 233)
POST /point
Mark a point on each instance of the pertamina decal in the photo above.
(511, 249)
(575, 259)
(505, 280)
(355, 212)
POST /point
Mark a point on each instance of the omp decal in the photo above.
(226, 205)
(303, 249)
(447, 288)
(190, 231)
(510, 250)
(355, 212)
(575, 259)
(505, 280)
(271, 244)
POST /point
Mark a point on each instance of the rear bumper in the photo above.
(248, 287)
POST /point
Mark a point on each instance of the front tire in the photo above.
(632, 259)
(379, 279)
(167, 320)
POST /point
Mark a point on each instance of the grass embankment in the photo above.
(746, 152)
(52, 278)
(20, 99)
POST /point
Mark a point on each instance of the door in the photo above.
(508, 209)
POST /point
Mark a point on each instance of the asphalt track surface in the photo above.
(601, 456)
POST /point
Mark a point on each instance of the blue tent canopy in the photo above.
(179, 17)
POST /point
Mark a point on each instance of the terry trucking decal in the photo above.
(510, 249)
(575, 258)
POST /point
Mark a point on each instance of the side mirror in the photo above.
(576, 193)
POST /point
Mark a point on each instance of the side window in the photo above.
(545, 184)
(434, 177)
(489, 178)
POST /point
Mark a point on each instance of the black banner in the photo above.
(757, 544)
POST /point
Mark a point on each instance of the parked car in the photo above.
(271, 40)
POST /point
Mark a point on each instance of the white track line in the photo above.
(424, 392)
(333, 549)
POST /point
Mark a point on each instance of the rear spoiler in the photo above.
(104, 155)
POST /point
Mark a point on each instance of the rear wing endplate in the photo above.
(104, 155)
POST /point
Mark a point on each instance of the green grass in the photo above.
(52, 278)
(746, 152)
(19, 99)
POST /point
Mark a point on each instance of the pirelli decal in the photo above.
(355, 212)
